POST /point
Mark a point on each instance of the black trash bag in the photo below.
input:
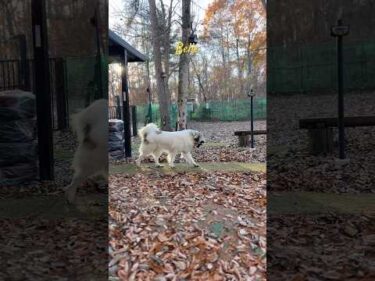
(117, 154)
(115, 136)
(115, 145)
(18, 174)
(21, 130)
(17, 104)
(116, 125)
(12, 153)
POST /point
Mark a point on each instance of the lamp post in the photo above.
(251, 94)
(339, 31)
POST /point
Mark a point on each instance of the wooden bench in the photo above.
(244, 136)
(321, 130)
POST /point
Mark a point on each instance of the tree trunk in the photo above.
(201, 88)
(166, 35)
(183, 76)
(164, 99)
(239, 64)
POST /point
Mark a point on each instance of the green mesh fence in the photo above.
(84, 82)
(237, 110)
(314, 68)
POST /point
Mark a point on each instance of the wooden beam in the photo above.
(356, 121)
(42, 90)
(257, 132)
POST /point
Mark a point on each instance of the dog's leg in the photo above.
(139, 160)
(189, 158)
(156, 155)
(71, 189)
(171, 157)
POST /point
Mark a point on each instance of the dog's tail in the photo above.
(146, 130)
(77, 127)
(81, 128)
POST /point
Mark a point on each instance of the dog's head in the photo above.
(198, 138)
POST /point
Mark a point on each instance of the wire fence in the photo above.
(74, 82)
(225, 111)
(313, 68)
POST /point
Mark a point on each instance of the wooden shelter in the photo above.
(122, 52)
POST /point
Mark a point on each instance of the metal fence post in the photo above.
(118, 108)
(125, 107)
(61, 101)
(134, 120)
(42, 90)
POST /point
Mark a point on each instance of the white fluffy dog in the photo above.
(91, 156)
(154, 142)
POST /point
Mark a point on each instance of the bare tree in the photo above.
(161, 82)
(183, 74)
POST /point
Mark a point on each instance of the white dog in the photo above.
(91, 156)
(154, 142)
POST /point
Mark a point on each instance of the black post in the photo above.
(340, 31)
(252, 120)
(134, 120)
(42, 90)
(118, 108)
(340, 81)
(125, 107)
(24, 69)
(61, 100)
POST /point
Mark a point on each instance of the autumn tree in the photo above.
(237, 30)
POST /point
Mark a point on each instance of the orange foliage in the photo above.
(246, 20)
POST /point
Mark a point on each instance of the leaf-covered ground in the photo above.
(321, 247)
(314, 230)
(192, 224)
(37, 248)
(292, 168)
(188, 226)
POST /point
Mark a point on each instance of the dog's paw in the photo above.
(69, 199)
(196, 166)
(69, 196)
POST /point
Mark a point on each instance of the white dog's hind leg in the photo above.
(189, 158)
